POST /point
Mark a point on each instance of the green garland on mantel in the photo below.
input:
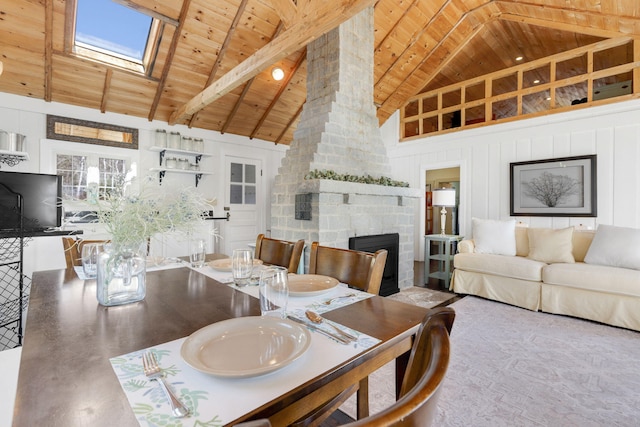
(366, 179)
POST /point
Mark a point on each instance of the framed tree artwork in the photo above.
(554, 187)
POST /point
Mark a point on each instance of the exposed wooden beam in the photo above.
(223, 51)
(275, 99)
(396, 26)
(324, 17)
(105, 90)
(286, 10)
(48, 50)
(563, 26)
(149, 12)
(169, 60)
(237, 105)
(564, 18)
(246, 88)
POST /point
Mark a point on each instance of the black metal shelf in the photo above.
(14, 285)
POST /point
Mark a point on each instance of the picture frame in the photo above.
(564, 186)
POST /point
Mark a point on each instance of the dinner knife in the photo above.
(316, 329)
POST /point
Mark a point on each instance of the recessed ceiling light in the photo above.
(519, 58)
(277, 73)
(536, 81)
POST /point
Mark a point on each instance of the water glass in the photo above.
(89, 256)
(197, 251)
(242, 266)
(274, 292)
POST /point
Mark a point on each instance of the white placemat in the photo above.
(215, 401)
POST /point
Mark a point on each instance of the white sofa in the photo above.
(603, 293)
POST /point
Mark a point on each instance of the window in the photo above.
(110, 32)
(80, 181)
(242, 184)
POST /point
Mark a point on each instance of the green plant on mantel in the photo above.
(361, 179)
(133, 215)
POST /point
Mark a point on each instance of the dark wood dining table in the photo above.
(66, 379)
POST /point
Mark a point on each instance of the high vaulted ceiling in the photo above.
(213, 67)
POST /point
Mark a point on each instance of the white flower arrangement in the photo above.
(132, 217)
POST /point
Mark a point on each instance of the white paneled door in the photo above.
(244, 199)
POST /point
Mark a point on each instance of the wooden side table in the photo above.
(447, 244)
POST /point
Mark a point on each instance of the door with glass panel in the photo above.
(244, 199)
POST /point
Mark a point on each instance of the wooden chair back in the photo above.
(279, 252)
(73, 250)
(361, 270)
(428, 363)
(420, 391)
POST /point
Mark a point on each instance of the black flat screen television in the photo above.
(41, 194)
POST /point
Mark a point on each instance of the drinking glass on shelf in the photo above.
(197, 251)
(89, 256)
(242, 266)
(274, 291)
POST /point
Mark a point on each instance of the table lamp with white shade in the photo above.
(444, 197)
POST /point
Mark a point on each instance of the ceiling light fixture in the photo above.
(277, 73)
(536, 81)
(519, 58)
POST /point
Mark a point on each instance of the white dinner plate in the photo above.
(225, 264)
(309, 285)
(245, 346)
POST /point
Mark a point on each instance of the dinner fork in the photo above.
(329, 301)
(152, 371)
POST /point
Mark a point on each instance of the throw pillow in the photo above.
(494, 237)
(551, 245)
(615, 247)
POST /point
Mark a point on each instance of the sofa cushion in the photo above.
(500, 265)
(551, 245)
(600, 278)
(615, 247)
(494, 237)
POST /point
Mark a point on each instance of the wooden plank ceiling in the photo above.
(213, 67)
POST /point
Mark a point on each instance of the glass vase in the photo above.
(121, 274)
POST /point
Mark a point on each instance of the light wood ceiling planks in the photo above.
(213, 65)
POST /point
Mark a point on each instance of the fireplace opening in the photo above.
(390, 242)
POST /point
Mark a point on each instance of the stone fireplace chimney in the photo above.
(339, 131)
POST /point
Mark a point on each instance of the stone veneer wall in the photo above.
(339, 131)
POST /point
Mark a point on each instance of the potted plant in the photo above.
(132, 215)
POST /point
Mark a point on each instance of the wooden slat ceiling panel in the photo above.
(419, 45)
(130, 95)
(77, 83)
(170, 9)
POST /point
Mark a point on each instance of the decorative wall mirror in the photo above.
(67, 129)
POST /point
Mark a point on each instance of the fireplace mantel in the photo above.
(345, 187)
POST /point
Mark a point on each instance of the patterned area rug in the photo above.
(421, 296)
(514, 367)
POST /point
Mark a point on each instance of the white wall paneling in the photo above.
(28, 116)
(484, 154)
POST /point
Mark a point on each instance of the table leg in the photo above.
(402, 362)
(362, 410)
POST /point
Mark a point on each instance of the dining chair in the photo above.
(279, 252)
(73, 250)
(358, 269)
(421, 384)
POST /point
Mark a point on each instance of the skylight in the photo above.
(111, 32)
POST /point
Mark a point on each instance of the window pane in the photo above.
(236, 172)
(249, 174)
(74, 171)
(112, 27)
(235, 194)
(250, 195)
